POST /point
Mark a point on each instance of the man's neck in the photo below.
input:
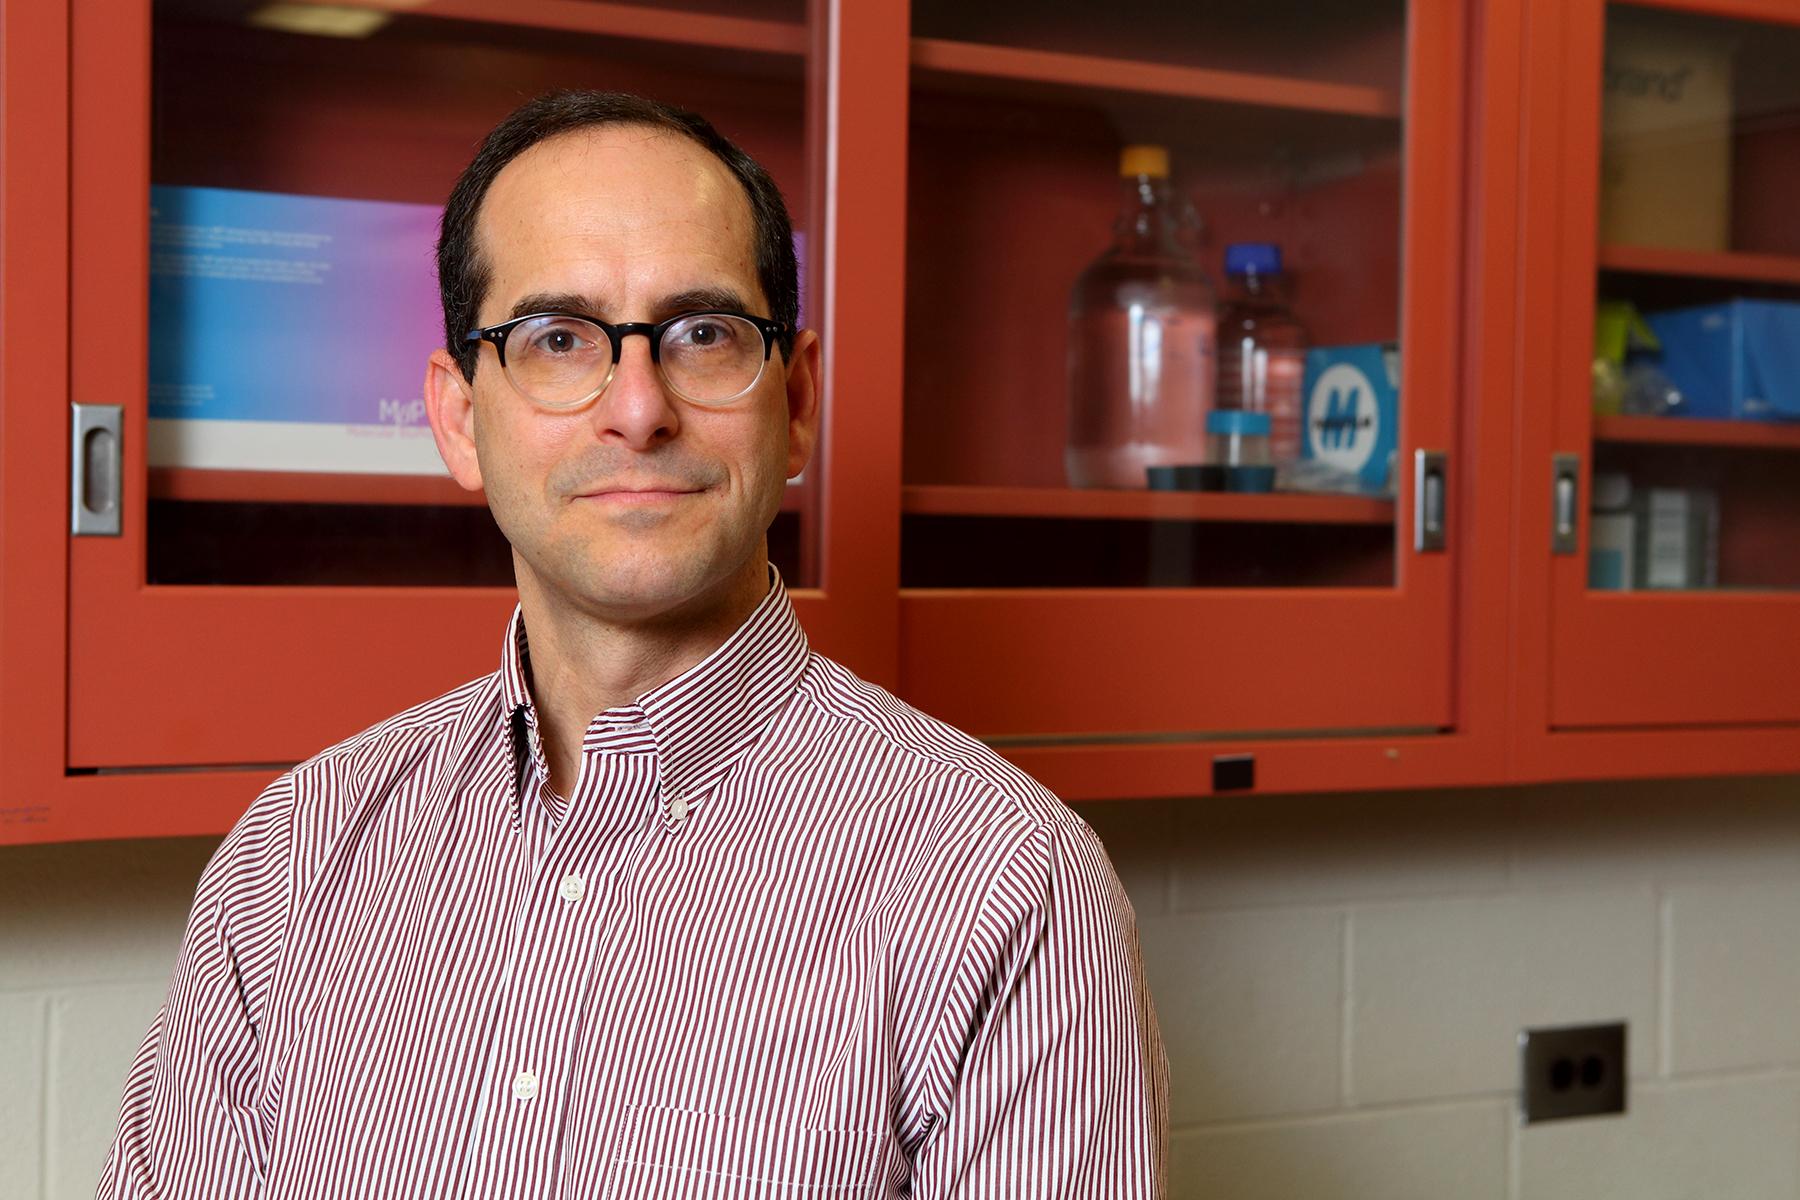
(582, 664)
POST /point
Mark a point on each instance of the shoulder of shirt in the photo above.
(327, 791)
(385, 741)
(837, 690)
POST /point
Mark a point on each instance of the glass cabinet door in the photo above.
(258, 189)
(1180, 346)
(1684, 603)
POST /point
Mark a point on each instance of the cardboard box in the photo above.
(1665, 161)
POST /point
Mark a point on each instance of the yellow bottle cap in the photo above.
(1144, 160)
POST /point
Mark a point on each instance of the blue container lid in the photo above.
(1236, 420)
(1261, 258)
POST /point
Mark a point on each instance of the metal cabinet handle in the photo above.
(1565, 518)
(95, 469)
(1430, 483)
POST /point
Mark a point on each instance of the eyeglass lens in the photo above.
(708, 357)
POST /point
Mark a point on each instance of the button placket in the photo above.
(585, 852)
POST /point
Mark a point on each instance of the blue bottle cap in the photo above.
(1244, 258)
(1236, 420)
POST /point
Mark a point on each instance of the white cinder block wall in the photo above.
(1340, 981)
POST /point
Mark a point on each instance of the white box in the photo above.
(1677, 542)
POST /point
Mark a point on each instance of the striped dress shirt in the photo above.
(788, 937)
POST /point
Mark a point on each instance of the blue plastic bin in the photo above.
(1736, 361)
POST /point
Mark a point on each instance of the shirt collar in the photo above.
(702, 720)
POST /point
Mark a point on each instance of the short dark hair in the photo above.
(463, 275)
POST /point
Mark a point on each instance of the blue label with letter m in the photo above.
(1351, 414)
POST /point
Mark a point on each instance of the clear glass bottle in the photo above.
(1143, 327)
(1262, 348)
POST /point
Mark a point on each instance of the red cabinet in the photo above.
(951, 168)
(240, 620)
(1661, 630)
(1119, 641)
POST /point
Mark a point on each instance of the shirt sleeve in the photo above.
(1061, 1085)
(188, 1124)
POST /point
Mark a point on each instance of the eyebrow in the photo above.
(703, 299)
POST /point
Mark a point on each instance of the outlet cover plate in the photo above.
(1576, 1071)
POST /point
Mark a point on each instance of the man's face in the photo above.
(641, 504)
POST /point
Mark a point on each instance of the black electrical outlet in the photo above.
(1572, 1072)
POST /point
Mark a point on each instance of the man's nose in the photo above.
(636, 408)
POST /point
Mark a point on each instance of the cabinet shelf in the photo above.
(1149, 78)
(1702, 264)
(1073, 504)
(634, 21)
(1679, 431)
(304, 487)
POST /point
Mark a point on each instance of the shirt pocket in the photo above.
(681, 1154)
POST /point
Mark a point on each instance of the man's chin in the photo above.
(651, 595)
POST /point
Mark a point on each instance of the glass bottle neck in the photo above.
(1258, 285)
(1150, 216)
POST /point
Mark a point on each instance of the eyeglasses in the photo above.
(561, 361)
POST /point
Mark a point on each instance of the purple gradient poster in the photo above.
(290, 333)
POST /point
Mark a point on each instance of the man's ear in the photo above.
(450, 407)
(803, 381)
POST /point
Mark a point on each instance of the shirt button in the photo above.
(572, 888)
(678, 809)
(524, 1085)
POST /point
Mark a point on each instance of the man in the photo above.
(668, 905)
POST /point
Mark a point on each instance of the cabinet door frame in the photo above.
(76, 128)
(40, 800)
(1614, 685)
(319, 647)
(1065, 680)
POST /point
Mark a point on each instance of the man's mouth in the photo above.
(641, 494)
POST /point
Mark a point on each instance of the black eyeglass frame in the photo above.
(616, 335)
